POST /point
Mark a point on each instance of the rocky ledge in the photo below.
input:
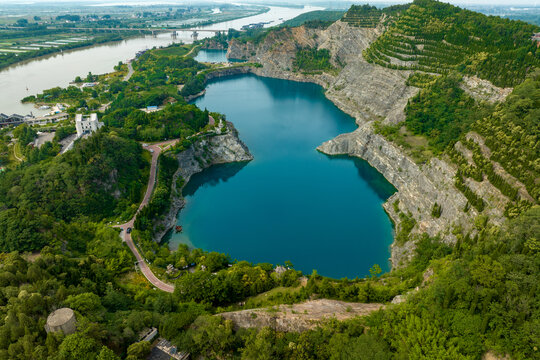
(210, 149)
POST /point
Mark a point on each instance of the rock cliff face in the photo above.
(370, 92)
(205, 152)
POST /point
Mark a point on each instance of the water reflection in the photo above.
(376, 181)
(212, 176)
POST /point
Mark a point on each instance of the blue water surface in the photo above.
(213, 56)
(291, 202)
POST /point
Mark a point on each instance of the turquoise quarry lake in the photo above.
(291, 202)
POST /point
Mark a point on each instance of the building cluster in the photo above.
(9, 120)
(258, 25)
(16, 119)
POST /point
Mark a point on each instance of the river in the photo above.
(21, 80)
(291, 202)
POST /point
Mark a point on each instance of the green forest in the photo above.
(38, 199)
(58, 246)
(443, 112)
(315, 19)
(311, 60)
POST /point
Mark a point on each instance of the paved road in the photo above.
(148, 274)
(130, 71)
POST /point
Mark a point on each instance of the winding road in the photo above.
(155, 149)
(130, 71)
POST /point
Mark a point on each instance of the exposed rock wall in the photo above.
(483, 90)
(205, 152)
(369, 92)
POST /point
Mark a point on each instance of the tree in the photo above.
(78, 346)
(107, 354)
(138, 351)
(260, 345)
(87, 303)
(212, 336)
(375, 271)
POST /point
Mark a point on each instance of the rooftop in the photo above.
(60, 317)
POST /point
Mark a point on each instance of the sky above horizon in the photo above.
(533, 3)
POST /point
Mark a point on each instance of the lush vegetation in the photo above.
(315, 19)
(512, 135)
(462, 300)
(312, 60)
(481, 298)
(437, 37)
(161, 197)
(443, 112)
(174, 121)
(367, 16)
(36, 199)
(478, 296)
(363, 16)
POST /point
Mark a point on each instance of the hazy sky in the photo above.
(457, 2)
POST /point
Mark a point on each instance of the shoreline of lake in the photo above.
(363, 170)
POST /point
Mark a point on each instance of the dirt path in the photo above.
(191, 51)
(156, 149)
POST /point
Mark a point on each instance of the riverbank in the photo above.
(25, 58)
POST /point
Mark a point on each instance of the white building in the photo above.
(86, 124)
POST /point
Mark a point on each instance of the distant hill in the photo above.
(437, 37)
(325, 17)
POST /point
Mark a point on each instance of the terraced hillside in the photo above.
(504, 148)
(363, 16)
(437, 37)
(366, 16)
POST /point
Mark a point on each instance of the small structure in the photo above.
(86, 124)
(536, 37)
(148, 334)
(171, 269)
(151, 109)
(165, 350)
(62, 320)
(43, 120)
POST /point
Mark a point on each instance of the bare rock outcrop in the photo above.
(483, 90)
(299, 317)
